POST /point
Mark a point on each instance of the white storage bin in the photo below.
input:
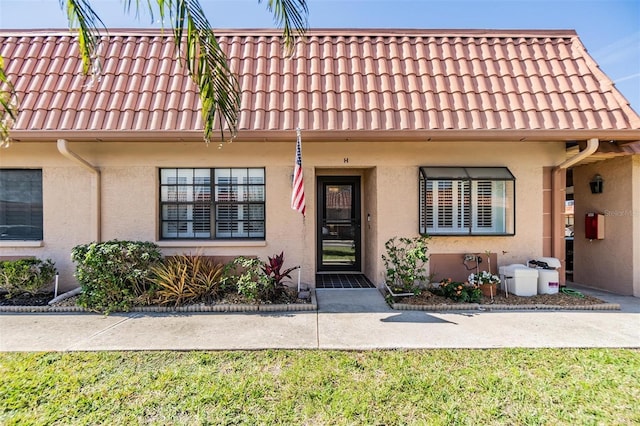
(519, 279)
(548, 279)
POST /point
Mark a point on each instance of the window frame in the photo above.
(464, 194)
(35, 209)
(240, 199)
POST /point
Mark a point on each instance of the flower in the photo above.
(457, 291)
(483, 277)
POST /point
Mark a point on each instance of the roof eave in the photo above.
(621, 137)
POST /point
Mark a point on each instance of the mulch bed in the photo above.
(40, 299)
(558, 299)
(289, 296)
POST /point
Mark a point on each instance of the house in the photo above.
(465, 135)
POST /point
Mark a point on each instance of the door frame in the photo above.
(355, 182)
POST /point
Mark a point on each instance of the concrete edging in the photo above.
(282, 307)
(501, 307)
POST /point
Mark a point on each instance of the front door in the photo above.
(338, 223)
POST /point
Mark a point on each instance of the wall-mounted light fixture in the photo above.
(596, 184)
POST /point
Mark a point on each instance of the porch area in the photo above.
(343, 280)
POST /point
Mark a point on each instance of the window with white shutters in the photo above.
(212, 203)
(467, 201)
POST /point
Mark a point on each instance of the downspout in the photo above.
(592, 146)
(63, 148)
(558, 185)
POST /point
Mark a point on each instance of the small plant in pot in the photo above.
(486, 281)
(404, 262)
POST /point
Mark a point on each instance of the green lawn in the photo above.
(435, 387)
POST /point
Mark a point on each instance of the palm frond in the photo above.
(203, 56)
(7, 107)
(206, 63)
(83, 18)
(135, 5)
(291, 15)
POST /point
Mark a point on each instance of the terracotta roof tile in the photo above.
(335, 80)
(53, 118)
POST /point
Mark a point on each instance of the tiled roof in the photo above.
(337, 81)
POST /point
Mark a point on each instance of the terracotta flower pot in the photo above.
(489, 290)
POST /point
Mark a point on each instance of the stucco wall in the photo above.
(389, 174)
(635, 191)
(609, 263)
(67, 207)
(399, 183)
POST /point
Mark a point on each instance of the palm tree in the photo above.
(206, 63)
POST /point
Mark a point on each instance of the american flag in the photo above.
(297, 193)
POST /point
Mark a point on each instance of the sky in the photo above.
(609, 29)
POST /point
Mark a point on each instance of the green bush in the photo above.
(246, 276)
(114, 274)
(404, 261)
(458, 291)
(257, 280)
(26, 276)
(187, 279)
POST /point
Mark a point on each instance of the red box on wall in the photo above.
(594, 226)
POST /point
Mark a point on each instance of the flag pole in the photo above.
(297, 194)
(299, 138)
(297, 191)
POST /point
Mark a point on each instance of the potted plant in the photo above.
(487, 282)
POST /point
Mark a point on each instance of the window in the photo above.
(212, 203)
(20, 204)
(467, 201)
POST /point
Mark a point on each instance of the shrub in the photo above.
(257, 280)
(272, 269)
(245, 276)
(187, 279)
(458, 291)
(404, 262)
(113, 274)
(26, 276)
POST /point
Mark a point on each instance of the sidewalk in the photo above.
(346, 319)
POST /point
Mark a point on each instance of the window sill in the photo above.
(19, 243)
(212, 243)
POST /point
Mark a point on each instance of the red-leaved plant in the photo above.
(273, 267)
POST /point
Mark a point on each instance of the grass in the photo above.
(436, 387)
(338, 252)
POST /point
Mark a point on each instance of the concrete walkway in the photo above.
(346, 319)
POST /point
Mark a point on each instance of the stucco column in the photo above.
(558, 197)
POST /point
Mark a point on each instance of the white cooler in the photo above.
(518, 279)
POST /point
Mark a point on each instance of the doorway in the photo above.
(338, 232)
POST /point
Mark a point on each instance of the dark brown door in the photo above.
(338, 223)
